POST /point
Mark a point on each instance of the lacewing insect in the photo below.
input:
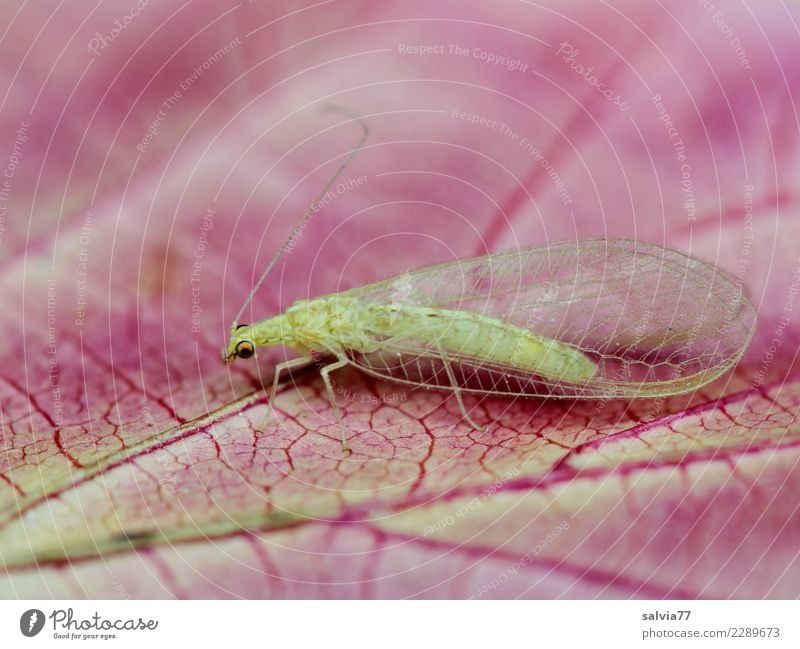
(592, 318)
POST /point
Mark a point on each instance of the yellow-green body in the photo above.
(336, 324)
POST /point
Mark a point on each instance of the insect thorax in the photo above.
(333, 324)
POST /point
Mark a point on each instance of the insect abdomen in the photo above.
(485, 338)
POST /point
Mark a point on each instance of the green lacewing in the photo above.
(589, 318)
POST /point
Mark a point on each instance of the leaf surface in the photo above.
(133, 463)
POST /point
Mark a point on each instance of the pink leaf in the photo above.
(150, 172)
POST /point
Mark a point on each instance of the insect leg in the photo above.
(457, 392)
(280, 367)
(325, 372)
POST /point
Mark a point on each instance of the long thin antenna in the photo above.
(309, 212)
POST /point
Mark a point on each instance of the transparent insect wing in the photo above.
(655, 321)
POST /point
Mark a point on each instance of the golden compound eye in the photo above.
(245, 349)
